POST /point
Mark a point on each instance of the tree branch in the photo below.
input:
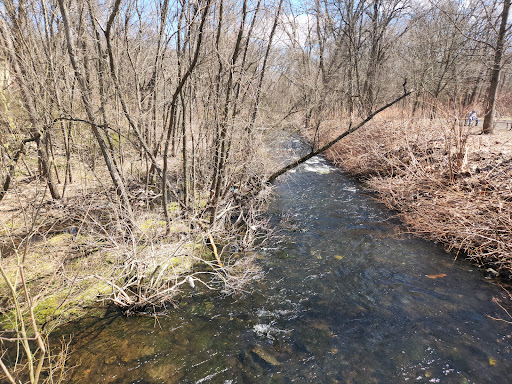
(350, 130)
(14, 161)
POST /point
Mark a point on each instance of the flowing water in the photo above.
(344, 300)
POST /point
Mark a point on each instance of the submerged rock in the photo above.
(316, 341)
(262, 355)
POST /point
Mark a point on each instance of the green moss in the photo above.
(180, 264)
(109, 258)
(93, 291)
(9, 226)
(60, 238)
(173, 207)
(152, 224)
(175, 227)
(175, 261)
(83, 239)
(178, 227)
(199, 250)
(209, 306)
(69, 303)
(114, 136)
(49, 307)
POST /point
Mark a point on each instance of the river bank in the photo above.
(64, 262)
(447, 182)
(82, 250)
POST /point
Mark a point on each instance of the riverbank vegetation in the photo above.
(448, 183)
(131, 160)
(134, 139)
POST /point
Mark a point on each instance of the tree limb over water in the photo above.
(350, 130)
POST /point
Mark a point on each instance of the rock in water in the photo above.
(263, 355)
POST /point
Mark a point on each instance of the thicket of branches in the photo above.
(175, 91)
(138, 84)
(346, 58)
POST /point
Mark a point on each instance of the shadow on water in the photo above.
(344, 300)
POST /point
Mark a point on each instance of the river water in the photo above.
(345, 299)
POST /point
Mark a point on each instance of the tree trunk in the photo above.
(496, 69)
(37, 130)
(173, 108)
(12, 166)
(114, 174)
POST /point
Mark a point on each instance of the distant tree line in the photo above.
(348, 57)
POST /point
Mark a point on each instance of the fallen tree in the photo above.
(324, 148)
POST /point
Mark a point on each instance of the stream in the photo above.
(345, 299)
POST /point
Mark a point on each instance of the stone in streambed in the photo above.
(264, 356)
(315, 340)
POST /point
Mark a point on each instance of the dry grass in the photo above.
(448, 183)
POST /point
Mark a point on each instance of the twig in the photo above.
(214, 248)
(6, 371)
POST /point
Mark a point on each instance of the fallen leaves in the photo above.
(436, 276)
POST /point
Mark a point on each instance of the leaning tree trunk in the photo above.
(86, 99)
(350, 130)
(496, 69)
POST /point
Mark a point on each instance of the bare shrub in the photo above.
(146, 265)
(25, 353)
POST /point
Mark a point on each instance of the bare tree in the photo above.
(86, 98)
(27, 62)
(496, 69)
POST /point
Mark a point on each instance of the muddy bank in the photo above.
(447, 182)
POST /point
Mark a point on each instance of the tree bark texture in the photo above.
(490, 109)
